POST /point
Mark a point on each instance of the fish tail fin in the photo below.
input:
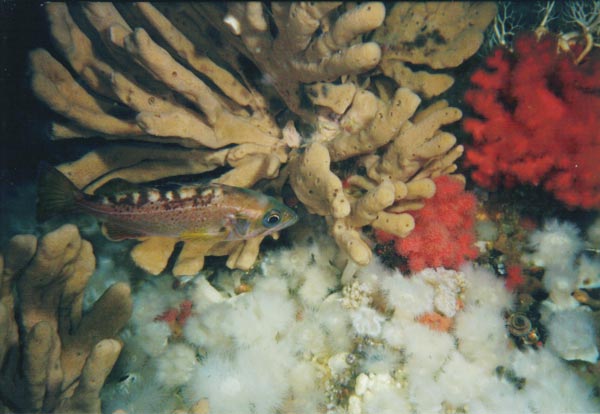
(56, 193)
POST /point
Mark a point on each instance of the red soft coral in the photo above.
(176, 318)
(444, 229)
(514, 277)
(539, 121)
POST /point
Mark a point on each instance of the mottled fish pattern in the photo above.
(186, 212)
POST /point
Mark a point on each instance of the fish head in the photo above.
(275, 216)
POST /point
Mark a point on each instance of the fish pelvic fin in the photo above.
(56, 193)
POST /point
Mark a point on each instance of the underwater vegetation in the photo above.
(290, 224)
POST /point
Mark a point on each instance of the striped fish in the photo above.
(188, 212)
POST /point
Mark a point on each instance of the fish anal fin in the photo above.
(115, 232)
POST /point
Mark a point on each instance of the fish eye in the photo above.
(272, 218)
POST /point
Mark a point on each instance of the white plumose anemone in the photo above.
(556, 245)
(254, 380)
(295, 341)
(572, 335)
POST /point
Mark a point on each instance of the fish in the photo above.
(186, 212)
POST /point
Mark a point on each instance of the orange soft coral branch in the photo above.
(444, 232)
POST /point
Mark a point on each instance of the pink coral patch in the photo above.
(444, 232)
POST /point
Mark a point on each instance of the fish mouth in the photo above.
(292, 218)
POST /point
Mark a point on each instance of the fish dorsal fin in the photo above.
(117, 185)
(115, 232)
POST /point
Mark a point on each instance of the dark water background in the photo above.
(23, 119)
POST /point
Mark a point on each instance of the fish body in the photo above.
(187, 212)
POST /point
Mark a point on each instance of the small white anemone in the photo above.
(156, 296)
(462, 381)
(572, 336)
(409, 297)
(174, 367)
(254, 380)
(588, 276)
(426, 349)
(367, 321)
(550, 386)
(483, 288)
(316, 285)
(556, 245)
(593, 233)
(482, 336)
(153, 337)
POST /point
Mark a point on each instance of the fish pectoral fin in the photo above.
(117, 185)
(241, 226)
(200, 235)
(115, 232)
